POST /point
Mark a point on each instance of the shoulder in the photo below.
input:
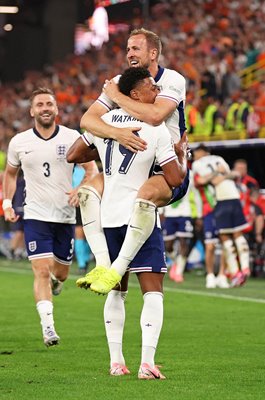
(68, 131)
(117, 78)
(65, 129)
(172, 74)
(20, 137)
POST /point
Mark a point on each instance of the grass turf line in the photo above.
(210, 348)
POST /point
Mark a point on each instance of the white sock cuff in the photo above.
(228, 243)
(155, 293)
(42, 305)
(240, 240)
(124, 295)
(91, 189)
(115, 293)
(143, 203)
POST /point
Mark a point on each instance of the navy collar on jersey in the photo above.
(56, 130)
(159, 73)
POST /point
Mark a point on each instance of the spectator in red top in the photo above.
(245, 183)
(241, 167)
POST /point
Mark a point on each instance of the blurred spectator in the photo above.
(256, 236)
(241, 167)
(208, 41)
(260, 104)
(17, 243)
(82, 250)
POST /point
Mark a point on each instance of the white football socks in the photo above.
(139, 229)
(181, 263)
(45, 310)
(151, 325)
(243, 252)
(114, 318)
(90, 200)
(230, 254)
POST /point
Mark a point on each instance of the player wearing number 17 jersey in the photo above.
(49, 213)
(124, 173)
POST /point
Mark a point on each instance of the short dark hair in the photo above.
(131, 77)
(41, 90)
(202, 147)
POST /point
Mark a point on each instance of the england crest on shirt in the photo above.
(61, 150)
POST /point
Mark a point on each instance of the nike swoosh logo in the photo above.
(88, 223)
(27, 152)
(135, 227)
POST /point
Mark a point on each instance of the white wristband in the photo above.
(7, 203)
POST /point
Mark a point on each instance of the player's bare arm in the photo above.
(9, 188)
(80, 153)
(153, 114)
(92, 122)
(91, 170)
(173, 173)
(204, 180)
(181, 150)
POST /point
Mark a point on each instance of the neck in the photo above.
(45, 132)
(153, 69)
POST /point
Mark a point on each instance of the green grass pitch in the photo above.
(212, 344)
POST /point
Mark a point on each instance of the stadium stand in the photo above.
(216, 45)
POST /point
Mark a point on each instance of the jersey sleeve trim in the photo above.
(104, 104)
(163, 96)
(167, 160)
(13, 165)
(85, 139)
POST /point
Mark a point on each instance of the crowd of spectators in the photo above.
(207, 41)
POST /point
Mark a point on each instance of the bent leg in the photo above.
(242, 251)
(90, 198)
(156, 190)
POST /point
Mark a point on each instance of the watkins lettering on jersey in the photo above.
(125, 171)
(123, 118)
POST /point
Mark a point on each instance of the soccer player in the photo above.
(143, 50)
(49, 212)
(178, 225)
(211, 238)
(228, 213)
(124, 173)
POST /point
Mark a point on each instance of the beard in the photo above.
(45, 122)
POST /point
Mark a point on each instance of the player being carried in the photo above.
(124, 173)
(143, 49)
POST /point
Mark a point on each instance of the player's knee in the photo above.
(41, 271)
(98, 183)
(155, 195)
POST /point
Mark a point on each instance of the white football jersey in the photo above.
(47, 174)
(226, 190)
(172, 87)
(124, 171)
